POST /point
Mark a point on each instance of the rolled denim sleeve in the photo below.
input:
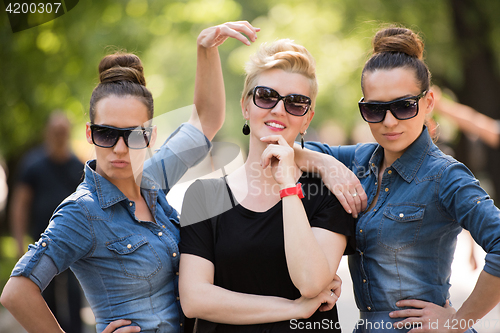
(66, 240)
(186, 147)
(468, 204)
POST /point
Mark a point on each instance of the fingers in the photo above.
(244, 27)
(413, 303)
(344, 194)
(274, 149)
(406, 313)
(347, 188)
(117, 327)
(356, 197)
(281, 158)
(226, 31)
(276, 139)
(215, 36)
(336, 285)
(343, 201)
(362, 197)
(128, 329)
(329, 301)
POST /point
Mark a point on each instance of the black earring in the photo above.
(302, 139)
(246, 128)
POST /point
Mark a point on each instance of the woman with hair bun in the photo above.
(117, 231)
(260, 248)
(419, 200)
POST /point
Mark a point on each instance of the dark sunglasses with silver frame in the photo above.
(268, 98)
(402, 108)
(105, 136)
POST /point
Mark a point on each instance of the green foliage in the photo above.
(54, 65)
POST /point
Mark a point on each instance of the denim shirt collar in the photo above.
(108, 194)
(410, 162)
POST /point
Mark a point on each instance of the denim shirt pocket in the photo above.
(400, 225)
(136, 256)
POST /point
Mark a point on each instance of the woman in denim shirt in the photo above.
(419, 199)
(117, 231)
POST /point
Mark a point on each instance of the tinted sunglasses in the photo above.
(134, 137)
(268, 98)
(401, 108)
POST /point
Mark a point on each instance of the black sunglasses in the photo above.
(268, 98)
(401, 108)
(134, 137)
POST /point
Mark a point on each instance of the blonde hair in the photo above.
(282, 54)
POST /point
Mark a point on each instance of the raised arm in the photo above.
(188, 146)
(468, 120)
(209, 95)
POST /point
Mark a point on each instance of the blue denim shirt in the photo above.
(128, 268)
(406, 242)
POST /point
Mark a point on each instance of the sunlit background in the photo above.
(54, 66)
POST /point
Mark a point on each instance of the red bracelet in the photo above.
(297, 190)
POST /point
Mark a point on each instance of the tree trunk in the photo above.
(481, 86)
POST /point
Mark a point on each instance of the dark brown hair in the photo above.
(121, 74)
(396, 47)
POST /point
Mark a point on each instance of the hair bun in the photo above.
(121, 67)
(402, 40)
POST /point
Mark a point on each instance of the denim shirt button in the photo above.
(369, 308)
(44, 244)
(389, 172)
(129, 246)
(360, 230)
(174, 254)
(401, 215)
(364, 280)
(387, 189)
(160, 234)
(177, 273)
(131, 204)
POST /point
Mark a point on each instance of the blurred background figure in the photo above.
(46, 176)
(469, 120)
